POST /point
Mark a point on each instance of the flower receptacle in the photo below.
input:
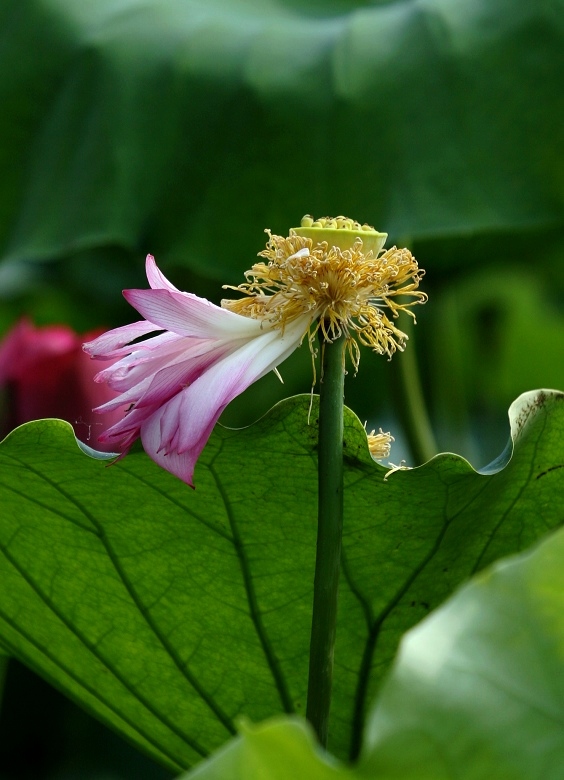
(341, 233)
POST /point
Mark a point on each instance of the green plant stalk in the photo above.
(410, 406)
(329, 534)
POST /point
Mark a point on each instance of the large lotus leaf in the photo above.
(475, 693)
(184, 128)
(479, 685)
(282, 748)
(170, 612)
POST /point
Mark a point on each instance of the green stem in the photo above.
(410, 402)
(329, 533)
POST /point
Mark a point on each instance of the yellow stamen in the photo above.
(379, 444)
(335, 271)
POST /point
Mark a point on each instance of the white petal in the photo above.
(188, 315)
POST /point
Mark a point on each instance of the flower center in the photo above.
(334, 273)
(341, 232)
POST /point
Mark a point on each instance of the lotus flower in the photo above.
(177, 369)
(177, 383)
(45, 373)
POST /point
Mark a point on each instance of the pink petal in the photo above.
(188, 353)
(172, 378)
(176, 433)
(157, 280)
(110, 344)
(177, 383)
(156, 384)
(188, 315)
(146, 359)
(122, 435)
(126, 398)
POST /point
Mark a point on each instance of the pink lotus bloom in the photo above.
(176, 383)
(45, 373)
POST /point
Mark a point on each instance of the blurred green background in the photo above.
(186, 128)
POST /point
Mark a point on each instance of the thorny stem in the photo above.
(329, 533)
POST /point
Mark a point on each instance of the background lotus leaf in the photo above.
(186, 128)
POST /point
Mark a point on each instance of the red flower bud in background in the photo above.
(45, 373)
